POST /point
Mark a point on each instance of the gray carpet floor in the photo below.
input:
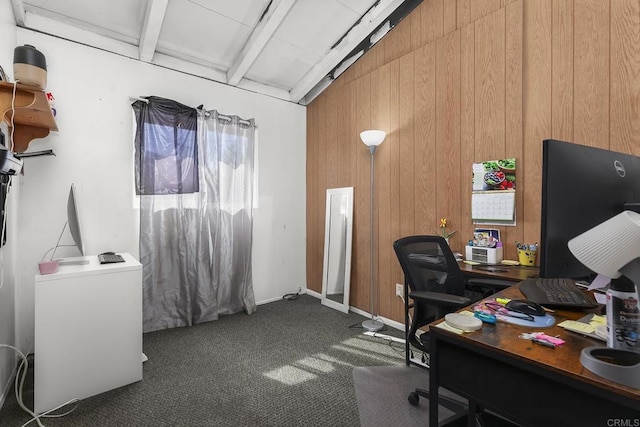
(290, 363)
(382, 393)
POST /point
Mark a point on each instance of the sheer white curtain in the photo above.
(227, 146)
(194, 175)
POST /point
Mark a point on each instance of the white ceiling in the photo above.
(288, 49)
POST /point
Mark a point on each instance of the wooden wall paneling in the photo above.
(322, 180)
(562, 54)
(579, 62)
(432, 12)
(447, 142)
(355, 146)
(463, 12)
(369, 61)
(347, 76)
(625, 76)
(480, 8)
(591, 84)
(331, 141)
(490, 78)
(343, 109)
(406, 142)
(374, 124)
(467, 129)
(392, 45)
(513, 120)
(415, 20)
(381, 98)
(425, 122)
(362, 207)
(403, 30)
(379, 50)
(357, 69)
(449, 16)
(312, 198)
(393, 142)
(537, 111)
(354, 140)
(490, 86)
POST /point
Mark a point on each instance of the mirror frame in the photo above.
(335, 195)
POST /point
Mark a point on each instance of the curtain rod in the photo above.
(228, 118)
(221, 116)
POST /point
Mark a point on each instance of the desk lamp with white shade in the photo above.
(612, 249)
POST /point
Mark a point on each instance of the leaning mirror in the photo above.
(336, 273)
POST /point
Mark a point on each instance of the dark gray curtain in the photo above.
(195, 250)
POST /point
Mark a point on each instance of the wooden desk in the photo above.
(527, 383)
(515, 273)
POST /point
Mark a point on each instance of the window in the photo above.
(166, 150)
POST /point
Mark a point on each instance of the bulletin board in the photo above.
(493, 196)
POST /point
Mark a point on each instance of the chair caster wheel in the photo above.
(413, 398)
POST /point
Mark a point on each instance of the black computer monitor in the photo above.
(582, 186)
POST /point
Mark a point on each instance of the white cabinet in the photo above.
(88, 330)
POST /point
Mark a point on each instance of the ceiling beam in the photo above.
(156, 10)
(369, 22)
(18, 12)
(262, 33)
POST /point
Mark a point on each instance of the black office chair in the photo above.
(436, 286)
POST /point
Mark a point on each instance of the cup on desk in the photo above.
(527, 257)
(48, 267)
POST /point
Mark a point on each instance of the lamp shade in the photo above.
(372, 137)
(609, 246)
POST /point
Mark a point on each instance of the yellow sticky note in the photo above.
(574, 325)
(598, 320)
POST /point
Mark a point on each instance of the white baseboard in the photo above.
(314, 294)
(388, 322)
(274, 299)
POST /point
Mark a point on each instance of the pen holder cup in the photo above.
(527, 257)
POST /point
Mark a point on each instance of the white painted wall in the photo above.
(8, 252)
(94, 150)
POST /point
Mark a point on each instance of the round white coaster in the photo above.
(465, 323)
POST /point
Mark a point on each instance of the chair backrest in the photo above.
(428, 264)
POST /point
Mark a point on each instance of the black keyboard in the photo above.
(560, 293)
(110, 258)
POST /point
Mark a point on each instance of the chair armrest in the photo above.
(439, 298)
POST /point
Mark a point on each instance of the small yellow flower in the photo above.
(443, 226)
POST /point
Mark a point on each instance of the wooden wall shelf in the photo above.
(33, 116)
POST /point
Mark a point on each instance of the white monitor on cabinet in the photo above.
(75, 229)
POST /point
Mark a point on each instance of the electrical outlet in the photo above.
(400, 290)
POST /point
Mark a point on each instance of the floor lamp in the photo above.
(372, 138)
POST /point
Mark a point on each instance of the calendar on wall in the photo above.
(493, 198)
